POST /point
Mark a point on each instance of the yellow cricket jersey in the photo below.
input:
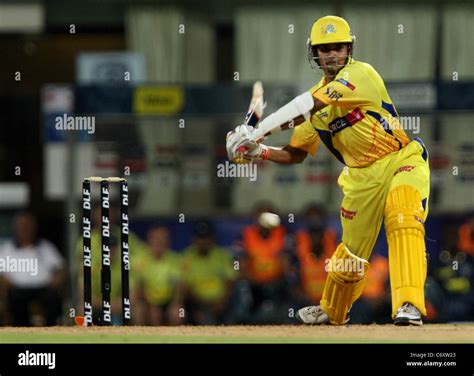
(359, 125)
(160, 278)
(207, 276)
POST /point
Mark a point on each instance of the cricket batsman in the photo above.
(386, 175)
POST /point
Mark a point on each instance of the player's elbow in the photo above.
(299, 159)
(318, 106)
(296, 155)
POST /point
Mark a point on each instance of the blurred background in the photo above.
(155, 86)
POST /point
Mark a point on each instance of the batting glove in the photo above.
(260, 152)
(235, 139)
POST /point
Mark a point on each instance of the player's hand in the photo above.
(240, 139)
(261, 151)
(237, 138)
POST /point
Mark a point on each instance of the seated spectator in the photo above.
(33, 273)
(314, 246)
(453, 271)
(161, 275)
(466, 236)
(267, 268)
(208, 277)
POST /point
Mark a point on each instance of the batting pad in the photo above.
(406, 247)
(344, 284)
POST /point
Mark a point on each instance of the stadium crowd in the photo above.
(262, 279)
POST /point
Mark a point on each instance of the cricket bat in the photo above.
(253, 116)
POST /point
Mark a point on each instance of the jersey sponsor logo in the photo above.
(404, 169)
(348, 214)
(345, 121)
(346, 83)
(338, 125)
(333, 93)
(354, 116)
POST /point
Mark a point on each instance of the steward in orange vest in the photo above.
(313, 248)
(466, 237)
(264, 249)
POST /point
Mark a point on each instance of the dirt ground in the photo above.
(442, 333)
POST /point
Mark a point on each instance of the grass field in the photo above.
(447, 333)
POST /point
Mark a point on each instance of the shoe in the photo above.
(408, 314)
(312, 315)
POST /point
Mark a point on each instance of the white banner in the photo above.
(420, 96)
(110, 67)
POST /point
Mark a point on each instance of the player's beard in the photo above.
(333, 66)
(331, 71)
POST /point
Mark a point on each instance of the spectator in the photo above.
(453, 271)
(314, 246)
(162, 289)
(209, 276)
(33, 274)
(266, 266)
(466, 236)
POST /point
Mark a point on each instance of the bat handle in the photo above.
(240, 154)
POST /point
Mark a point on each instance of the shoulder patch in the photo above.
(346, 83)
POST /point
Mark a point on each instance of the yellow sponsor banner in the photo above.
(158, 100)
